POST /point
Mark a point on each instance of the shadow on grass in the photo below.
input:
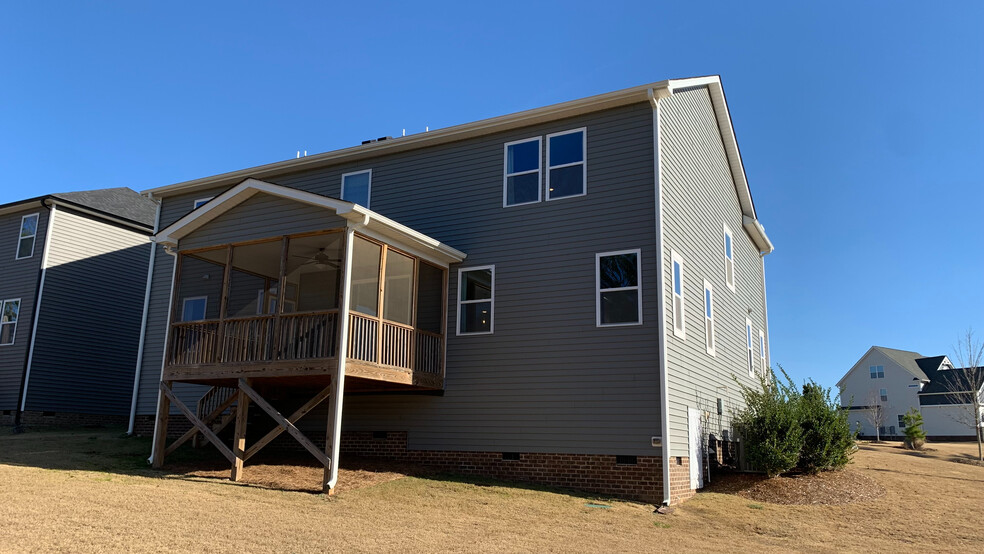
(110, 450)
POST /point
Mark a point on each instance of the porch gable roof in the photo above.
(357, 216)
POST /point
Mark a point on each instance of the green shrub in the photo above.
(770, 425)
(827, 435)
(915, 436)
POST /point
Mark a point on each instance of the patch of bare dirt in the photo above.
(827, 488)
(302, 475)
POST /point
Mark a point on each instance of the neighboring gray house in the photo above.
(563, 295)
(74, 269)
(900, 380)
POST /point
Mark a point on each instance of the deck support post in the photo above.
(333, 434)
(239, 442)
(160, 428)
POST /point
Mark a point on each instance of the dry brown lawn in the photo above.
(90, 491)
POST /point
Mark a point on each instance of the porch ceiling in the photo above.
(367, 221)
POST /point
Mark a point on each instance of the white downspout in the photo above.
(143, 323)
(655, 97)
(37, 306)
(167, 332)
(338, 390)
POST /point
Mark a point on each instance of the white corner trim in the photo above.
(661, 300)
(37, 306)
(138, 369)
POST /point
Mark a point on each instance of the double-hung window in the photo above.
(729, 258)
(476, 300)
(521, 181)
(876, 371)
(901, 421)
(679, 325)
(883, 394)
(708, 318)
(28, 232)
(765, 365)
(8, 320)
(748, 346)
(194, 308)
(619, 288)
(567, 171)
(357, 187)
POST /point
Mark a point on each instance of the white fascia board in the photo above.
(757, 232)
(430, 138)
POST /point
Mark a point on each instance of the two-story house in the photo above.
(563, 295)
(890, 382)
(74, 273)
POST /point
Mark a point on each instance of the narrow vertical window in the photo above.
(709, 318)
(357, 187)
(748, 344)
(762, 356)
(476, 300)
(9, 309)
(619, 288)
(679, 325)
(883, 394)
(28, 232)
(567, 171)
(521, 180)
(729, 258)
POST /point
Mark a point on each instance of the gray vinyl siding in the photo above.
(89, 324)
(698, 197)
(260, 217)
(859, 389)
(18, 279)
(548, 379)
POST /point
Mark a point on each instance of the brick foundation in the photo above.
(680, 480)
(588, 472)
(63, 419)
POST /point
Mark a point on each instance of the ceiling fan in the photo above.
(320, 259)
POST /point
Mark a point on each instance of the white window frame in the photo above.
(13, 335)
(709, 331)
(490, 300)
(583, 162)
(750, 353)
(368, 187)
(34, 237)
(599, 290)
(680, 330)
(762, 356)
(506, 175)
(729, 263)
(883, 396)
(877, 374)
(184, 307)
(201, 202)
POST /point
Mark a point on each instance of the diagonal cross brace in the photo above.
(294, 418)
(204, 429)
(206, 420)
(283, 422)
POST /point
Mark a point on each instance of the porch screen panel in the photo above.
(313, 268)
(200, 285)
(430, 298)
(365, 277)
(253, 279)
(398, 292)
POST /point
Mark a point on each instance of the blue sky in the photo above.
(860, 123)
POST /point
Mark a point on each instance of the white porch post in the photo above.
(338, 383)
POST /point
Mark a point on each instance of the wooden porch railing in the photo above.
(400, 345)
(306, 336)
